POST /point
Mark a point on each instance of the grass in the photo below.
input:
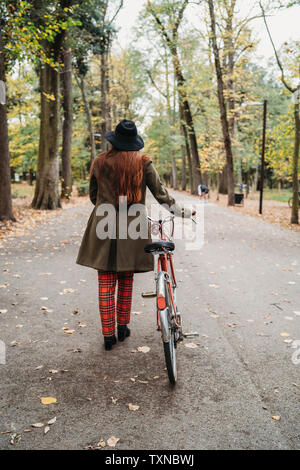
(274, 195)
(22, 190)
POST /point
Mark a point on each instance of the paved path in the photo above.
(240, 292)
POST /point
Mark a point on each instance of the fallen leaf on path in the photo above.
(232, 325)
(112, 441)
(52, 421)
(44, 298)
(288, 341)
(53, 371)
(297, 313)
(48, 400)
(114, 400)
(101, 443)
(215, 286)
(143, 349)
(38, 425)
(143, 381)
(133, 407)
(68, 332)
(81, 324)
(132, 379)
(3, 311)
(276, 418)
(285, 335)
(15, 438)
(191, 345)
(19, 326)
(67, 291)
(137, 313)
(39, 367)
(47, 429)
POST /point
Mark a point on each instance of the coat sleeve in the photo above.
(161, 194)
(93, 189)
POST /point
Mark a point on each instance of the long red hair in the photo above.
(124, 169)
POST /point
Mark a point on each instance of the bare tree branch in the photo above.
(155, 85)
(117, 11)
(290, 88)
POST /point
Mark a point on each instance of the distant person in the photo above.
(203, 191)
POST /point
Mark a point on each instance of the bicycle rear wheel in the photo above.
(170, 357)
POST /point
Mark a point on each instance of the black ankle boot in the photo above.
(109, 341)
(123, 332)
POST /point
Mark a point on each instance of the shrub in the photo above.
(83, 189)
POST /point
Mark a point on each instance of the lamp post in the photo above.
(263, 148)
(262, 167)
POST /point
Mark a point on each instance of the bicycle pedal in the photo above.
(190, 335)
(148, 295)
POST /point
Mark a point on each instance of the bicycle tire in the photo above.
(170, 358)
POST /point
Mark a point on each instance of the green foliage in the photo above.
(82, 188)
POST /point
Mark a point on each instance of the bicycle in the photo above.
(168, 317)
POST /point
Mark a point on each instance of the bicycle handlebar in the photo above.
(166, 219)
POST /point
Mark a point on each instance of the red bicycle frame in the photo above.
(164, 261)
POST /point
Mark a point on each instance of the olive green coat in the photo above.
(120, 254)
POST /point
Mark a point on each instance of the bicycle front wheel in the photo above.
(170, 357)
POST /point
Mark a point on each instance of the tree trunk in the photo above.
(174, 173)
(67, 126)
(222, 106)
(46, 190)
(223, 181)
(103, 73)
(295, 206)
(191, 134)
(108, 102)
(6, 212)
(88, 116)
(190, 162)
(183, 168)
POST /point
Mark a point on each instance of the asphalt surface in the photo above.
(240, 291)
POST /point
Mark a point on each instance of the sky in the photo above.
(284, 25)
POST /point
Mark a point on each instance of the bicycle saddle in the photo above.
(159, 246)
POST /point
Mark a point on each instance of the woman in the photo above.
(122, 172)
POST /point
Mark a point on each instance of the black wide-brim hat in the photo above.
(125, 137)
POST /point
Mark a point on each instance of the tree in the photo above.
(222, 106)
(6, 212)
(66, 173)
(54, 18)
(173, 12)
(295, 91)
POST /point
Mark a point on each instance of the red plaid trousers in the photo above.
(107, 286)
